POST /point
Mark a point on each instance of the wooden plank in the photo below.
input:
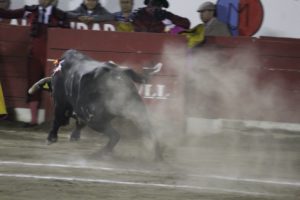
(286, 80)
(281, 49)
(13, 64)
(280, 109)
(279, 39)
(10, 33)
(229, 42)
(14, 87)
(112, 41)
(13, 67)
(280, 63)
(14, 91)
(13, 49)
(15, 102)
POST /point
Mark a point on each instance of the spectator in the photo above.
(126, 11)
(90, 11)
(40, 17)
(211, 26)
(151, 17)
(124, 17)
(4, 4)
(55, 2)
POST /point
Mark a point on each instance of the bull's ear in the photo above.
(65, 67)
(106, 69)
(100, 70)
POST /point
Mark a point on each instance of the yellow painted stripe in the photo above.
(2, 103)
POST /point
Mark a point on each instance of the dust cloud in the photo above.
(224, 84)
(215, 85)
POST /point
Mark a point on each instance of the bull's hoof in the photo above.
(29, 125)
(159, 153)
(74, 139)
(51, 141)
(100, 155)
(158, 158)
(104, 153)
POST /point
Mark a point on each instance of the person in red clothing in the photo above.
(40, 17)
(152, 17)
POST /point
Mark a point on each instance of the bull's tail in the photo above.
(43, 84)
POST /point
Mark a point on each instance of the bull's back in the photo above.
(119, 92)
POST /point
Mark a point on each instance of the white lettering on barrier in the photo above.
(96, 27)
(73, 25)
(14, 22)
(81, 26)
(149, 91)
(24, 22)
(109, 27)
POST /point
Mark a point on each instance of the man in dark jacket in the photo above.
(40, 17)
(4, 4)
(90, 11)
(151, 18)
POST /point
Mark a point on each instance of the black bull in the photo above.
(97, 92)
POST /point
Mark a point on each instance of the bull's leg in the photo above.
(153, 144)
(114, 138)
(75, 136)
(52, 136)
(142, 120)
(61, 117)
(158, 151)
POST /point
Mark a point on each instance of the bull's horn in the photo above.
(38, 85)
(155, 69)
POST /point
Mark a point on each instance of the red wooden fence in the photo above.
(277, 65)
(255, 79)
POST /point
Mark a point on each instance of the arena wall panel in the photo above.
(278, 66)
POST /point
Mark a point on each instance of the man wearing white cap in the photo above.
(213, 27)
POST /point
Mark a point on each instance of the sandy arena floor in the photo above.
(231, 165)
